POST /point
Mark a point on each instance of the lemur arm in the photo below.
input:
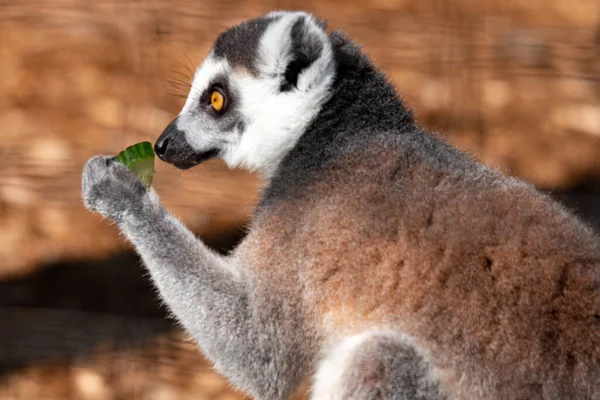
(212, 300)
(199, 286)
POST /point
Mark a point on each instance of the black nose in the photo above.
(162, 144)
(160, 148)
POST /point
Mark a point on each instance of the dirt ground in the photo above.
(515, 83)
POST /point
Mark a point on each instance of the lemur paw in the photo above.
(110, 189)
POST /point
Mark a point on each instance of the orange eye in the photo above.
(216, 100)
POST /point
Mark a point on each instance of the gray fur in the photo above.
(239, 44)
(371, 224)
(389, 367)
(111, 190)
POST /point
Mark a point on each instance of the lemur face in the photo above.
(255, 94)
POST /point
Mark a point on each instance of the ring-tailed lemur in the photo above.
(381, 261)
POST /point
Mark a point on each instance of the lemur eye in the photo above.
(217, 100)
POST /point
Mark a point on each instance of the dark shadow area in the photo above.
(67, 310)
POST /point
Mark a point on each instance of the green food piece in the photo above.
(139, 159)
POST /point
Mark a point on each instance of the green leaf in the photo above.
(139, 159)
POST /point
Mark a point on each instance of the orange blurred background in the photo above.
(515, 83)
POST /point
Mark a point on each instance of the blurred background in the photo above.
(515, 83)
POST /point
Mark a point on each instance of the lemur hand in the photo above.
(111, 190)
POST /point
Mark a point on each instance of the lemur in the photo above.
(381, 261)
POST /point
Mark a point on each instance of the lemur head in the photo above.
(253, 97)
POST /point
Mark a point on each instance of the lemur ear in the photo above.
(306, 47)
(303, 50)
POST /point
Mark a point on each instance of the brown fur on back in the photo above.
(498, 284)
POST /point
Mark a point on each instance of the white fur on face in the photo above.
(274, 121)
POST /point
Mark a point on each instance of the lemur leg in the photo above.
(206, 292)
(375, 365)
